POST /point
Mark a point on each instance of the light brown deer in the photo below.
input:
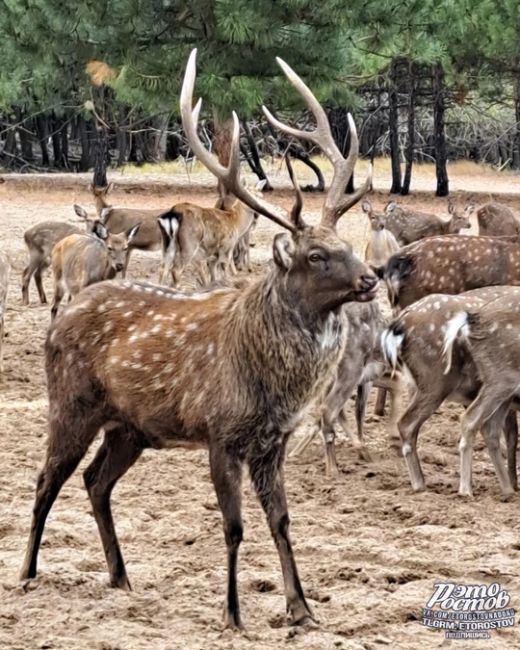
(266, 350)
(410, 226)
(382, 242)
(492, 334)
(495, 220)
(449, 264)
(81, 260)
(5, 269)
(204, 238)
(423, 342)
(40, 239)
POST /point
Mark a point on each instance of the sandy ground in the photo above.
(369, 550)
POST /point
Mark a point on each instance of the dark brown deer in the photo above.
(409, 226)
(5, 269)
(40, 239)
(128, 357)
(81, 260)
(422, 342)
(491, 332)
(449, 264)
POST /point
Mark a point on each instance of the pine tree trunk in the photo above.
(410, 144)
(42, 134)
(393, 125)
(84, 140)
(516, 136)
(161, 138)
(64, 144)
(100, 158)
(439, 107)
(56, 142)
(253, 158)
(25, 138)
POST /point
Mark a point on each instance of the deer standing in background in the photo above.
(40, 239)
(5, 269)
(382, 242)
(417, 342)
(409, 226)
(449, 264)
(119, 220)
(267, 349)
(81, 260)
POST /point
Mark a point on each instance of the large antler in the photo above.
(229, 176)
(336, 202)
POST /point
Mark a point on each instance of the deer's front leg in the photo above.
(226, 475)
(267, 476)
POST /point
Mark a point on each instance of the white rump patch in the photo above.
(458, 325)
(390, 346)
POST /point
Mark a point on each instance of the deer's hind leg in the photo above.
(120, 449)
(69, 439)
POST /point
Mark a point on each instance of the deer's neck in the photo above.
(286, 352)
(101, 203)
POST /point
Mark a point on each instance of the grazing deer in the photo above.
(360, 365)
(5, 269)
(81, 260)
(382, 242)
(266, 350)
(495, 220)
(449, 264)
(409, 226)
(491, 331)
(40, 239)
(422, 342)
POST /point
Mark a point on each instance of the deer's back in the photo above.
(409, 227)
(80, 260)
(43, 236)
(497, 220)
(118, 220)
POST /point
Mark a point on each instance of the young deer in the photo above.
(382, 242)
(81, 260)
(496, 220)
(422, 341)
(410, 226)
(5, 269)
(120, 220)
(266, 348)
(40, 239)
(449, 264)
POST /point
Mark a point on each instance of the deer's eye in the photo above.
(316, 256)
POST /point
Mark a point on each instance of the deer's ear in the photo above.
(390, 207)
(81, 212)
(108, 188)
(99, 230)
(366, 207)
(283, 250)
(451, 206)
(132, 232)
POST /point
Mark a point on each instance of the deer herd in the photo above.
(236, 366)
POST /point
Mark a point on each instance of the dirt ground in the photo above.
(369, 550)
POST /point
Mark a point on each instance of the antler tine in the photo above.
(336, 202)
(230, 175)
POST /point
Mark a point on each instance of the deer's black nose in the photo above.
(368, 281)
(119, 267)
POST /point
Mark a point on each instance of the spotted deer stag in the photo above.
(423, 342)
(382, 242)
(409, 226)
(449, 264)
(81, 260)
(126, 357)
(5, 269)
(40, 239)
